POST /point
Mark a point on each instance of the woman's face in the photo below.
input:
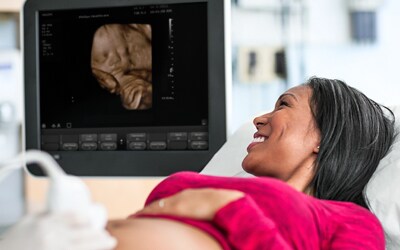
(285, 145)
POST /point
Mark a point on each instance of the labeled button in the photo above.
(88, 137)
(89, 146)
(199, 145)
(158, 145)
(137, 145)
(108, 146)
(177, 136)
(199, 136)
(136, 137)
(108, 137)
(70, 146)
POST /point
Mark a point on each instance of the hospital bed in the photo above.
(383, 191)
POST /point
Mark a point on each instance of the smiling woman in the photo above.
(313, 155)
(286, 141)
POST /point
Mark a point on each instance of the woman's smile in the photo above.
(257, 140)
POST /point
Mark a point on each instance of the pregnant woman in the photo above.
(313, 156)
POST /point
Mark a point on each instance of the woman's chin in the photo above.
(246, 165)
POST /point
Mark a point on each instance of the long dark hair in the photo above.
(356, 133)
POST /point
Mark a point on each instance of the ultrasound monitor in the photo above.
(125, 88)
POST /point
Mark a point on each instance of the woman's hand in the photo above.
(201, 204)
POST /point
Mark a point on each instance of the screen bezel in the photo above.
(126, 163)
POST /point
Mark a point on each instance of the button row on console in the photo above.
(134, 141)
(171, 141)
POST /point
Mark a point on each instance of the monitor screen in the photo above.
(124, 89)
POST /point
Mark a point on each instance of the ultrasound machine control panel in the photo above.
(131, 141)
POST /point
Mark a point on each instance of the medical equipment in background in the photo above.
(86, 124)
(12, 202)
(66, 192)
(56, 231)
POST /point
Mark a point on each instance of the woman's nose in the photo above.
(260, 121)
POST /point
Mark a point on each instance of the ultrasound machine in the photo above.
(125, 87)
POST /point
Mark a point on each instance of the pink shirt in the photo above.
(273, 215)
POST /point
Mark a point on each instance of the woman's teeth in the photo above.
(259, 139)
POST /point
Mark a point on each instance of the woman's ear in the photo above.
(316, 149)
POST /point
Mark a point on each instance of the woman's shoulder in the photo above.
(348, 210)
(351, 222)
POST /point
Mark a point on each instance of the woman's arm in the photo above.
(200, 204)
(243, 223)
(247, 228)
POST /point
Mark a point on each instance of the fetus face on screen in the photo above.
(121, 63)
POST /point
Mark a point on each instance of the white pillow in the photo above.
(228, 160)
(383, 190)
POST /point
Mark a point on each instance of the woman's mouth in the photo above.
(256, 140)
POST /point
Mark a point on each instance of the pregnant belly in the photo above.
(160, 234)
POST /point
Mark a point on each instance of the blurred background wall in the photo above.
(318, 38)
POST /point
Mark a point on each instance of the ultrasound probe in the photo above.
(66, 192)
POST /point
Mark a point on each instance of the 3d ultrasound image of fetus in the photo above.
(121, 63)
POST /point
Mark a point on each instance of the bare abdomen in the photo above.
(159, 234)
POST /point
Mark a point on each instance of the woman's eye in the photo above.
(280, 104)
(283, 103)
